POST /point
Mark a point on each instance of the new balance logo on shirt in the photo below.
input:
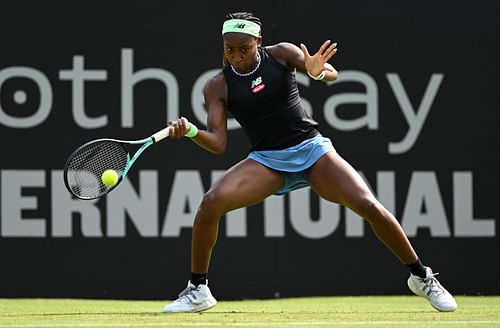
(257, 85)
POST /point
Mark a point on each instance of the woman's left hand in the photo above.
(315, 64)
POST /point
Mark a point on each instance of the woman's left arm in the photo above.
(315, 65)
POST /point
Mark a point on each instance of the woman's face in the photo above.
(240, 50)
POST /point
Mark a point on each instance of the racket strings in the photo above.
(85, 167)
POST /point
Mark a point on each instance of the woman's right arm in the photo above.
(214, 139)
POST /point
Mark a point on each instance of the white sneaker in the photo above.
(430, 288)
(192, 299)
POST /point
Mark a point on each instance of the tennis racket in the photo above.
(85, 166)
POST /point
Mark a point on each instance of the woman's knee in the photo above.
(213, 204)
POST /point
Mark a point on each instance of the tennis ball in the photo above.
(109, 178)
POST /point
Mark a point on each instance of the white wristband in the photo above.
(320, 77)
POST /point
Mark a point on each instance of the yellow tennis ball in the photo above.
(109, 178)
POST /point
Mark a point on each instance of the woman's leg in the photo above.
(246, 183)
(333, 179)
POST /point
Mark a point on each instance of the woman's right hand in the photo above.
(180, 127)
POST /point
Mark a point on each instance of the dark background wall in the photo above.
(418, 86)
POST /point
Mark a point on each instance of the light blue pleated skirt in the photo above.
(294, 162)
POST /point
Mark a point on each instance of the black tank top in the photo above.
(267, 105)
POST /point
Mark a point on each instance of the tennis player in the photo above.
(257, 85)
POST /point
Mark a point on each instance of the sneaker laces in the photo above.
(187, 295)
(432, 285)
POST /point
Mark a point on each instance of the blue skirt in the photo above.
(294, 162)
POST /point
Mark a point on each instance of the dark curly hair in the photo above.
(243, 15)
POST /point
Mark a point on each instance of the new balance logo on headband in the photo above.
(239, 25)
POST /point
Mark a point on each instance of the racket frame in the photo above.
(146, 142)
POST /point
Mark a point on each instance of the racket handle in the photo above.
(162, 134)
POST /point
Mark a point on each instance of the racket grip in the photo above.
(162, 134)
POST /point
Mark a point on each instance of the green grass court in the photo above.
(356, 311)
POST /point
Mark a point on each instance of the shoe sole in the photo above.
(200, 309)
(206, 308)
